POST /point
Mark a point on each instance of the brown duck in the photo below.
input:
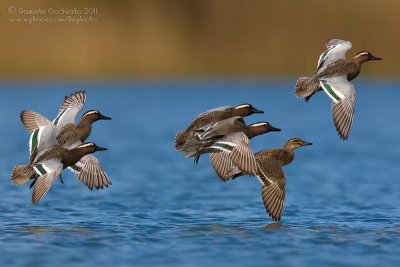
(271, 175)
(227, 142)
(70, 135)
(47, 161)
(333, 75)
(210, 117)
(332, 63)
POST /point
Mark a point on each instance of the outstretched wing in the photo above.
(222, 164)
(272, 178)
(33, 120)
(89, 172)
(336, 50)
(42, 139)
(236, 145)
(47, 172)
(69, 109)
(342, 92)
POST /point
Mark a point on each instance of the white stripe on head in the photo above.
(90, 112)
(362, 54)
(85, 145)
(242, 106)
(259, 124)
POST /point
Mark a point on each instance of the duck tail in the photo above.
(21, 174)
(306, 87)
(192, 147)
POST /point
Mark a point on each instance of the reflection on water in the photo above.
(38, 230)
(274, 225)
(162, 210)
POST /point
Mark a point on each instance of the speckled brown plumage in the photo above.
(210, 117)
(306, 87)
(271, 175)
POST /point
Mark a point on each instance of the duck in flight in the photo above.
(333, 75)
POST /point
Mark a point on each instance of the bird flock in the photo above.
(58, 144)
(223, 133)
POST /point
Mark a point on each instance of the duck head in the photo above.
(94, 115)
(261, 128)
(294, 143)
(365, 56)
(246, 110)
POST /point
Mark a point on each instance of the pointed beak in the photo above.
(98, 148)
(372, 57)
(254, 110)
(306, 143)
(102, 117)
(273, 129)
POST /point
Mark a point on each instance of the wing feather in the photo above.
(336, 50)
(222, 164)
(33, 120)
(89, 172)
(240, 153)
(47, 172)
(272, 178)
(69, 109)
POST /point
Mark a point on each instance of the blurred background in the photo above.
(152, 66)
(190, 38)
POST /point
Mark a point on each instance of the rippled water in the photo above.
(342, 198)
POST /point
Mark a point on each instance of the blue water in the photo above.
(342, 198)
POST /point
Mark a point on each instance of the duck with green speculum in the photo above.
(333, 75)
(271, 175)
(70, 135)
(210, 117)
(228, 143)
(47, 160)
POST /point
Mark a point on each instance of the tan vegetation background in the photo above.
(196, 37)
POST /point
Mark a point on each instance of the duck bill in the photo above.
(372, 57)
(102, 117)
(98, 148)
(274, 129)
(306, 143)
(254, 110)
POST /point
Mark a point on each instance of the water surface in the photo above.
(342, 198)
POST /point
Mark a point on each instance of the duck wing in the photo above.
(272, 178)
(89, 172)
(33, 120)
(336, 50)
(343, 95)
(238, 150)
(47, 172)
(69, 109)
(42, 139)
(222, 165)
(221, 128)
